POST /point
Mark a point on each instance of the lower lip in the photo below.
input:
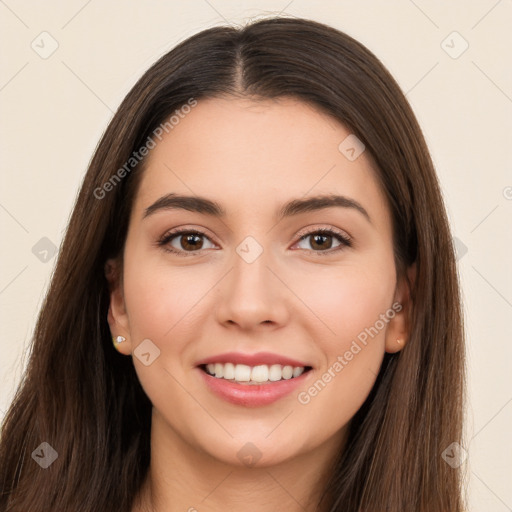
(253, 395)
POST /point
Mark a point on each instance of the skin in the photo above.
(252, 157)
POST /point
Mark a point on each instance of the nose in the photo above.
(252, 297)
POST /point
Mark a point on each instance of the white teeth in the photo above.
(255, 374)
(287, 372)
(259, 373)
(219, 370)
(297, 371)
(275, 372)
(242, 373)
(229, 371)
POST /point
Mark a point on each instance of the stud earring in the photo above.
(118, 339)
(399, 341)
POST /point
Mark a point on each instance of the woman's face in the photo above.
(258, 277)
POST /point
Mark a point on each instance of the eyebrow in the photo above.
(295, 207)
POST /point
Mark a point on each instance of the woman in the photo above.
(261, 235)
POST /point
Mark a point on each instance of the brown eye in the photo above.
(190, 241)
(185, 241)
(321, 241)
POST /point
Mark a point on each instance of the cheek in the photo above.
(161, 303)
(161, 299)
(340, 389)
(348, 299)
(351, 304)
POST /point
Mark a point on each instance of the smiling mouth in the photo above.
(253, 375)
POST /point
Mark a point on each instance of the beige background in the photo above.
(54, 110)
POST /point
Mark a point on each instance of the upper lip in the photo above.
(259, 358)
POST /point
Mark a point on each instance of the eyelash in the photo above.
(344, 240)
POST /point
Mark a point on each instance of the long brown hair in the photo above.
(83, 399)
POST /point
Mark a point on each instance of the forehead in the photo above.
(252, 153)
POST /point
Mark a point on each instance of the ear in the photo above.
(117, 316)
(399, 327)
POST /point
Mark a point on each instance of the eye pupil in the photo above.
(191, 239)
(323, 238)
